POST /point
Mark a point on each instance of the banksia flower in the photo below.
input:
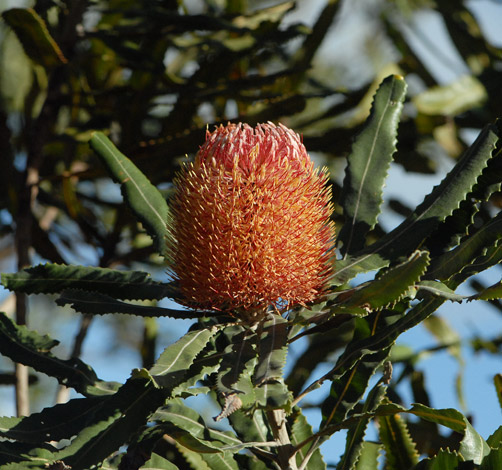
(251, 217)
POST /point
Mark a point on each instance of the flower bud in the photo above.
(251, 216)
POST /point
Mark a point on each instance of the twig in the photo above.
(285, 451)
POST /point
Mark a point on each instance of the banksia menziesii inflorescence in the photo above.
(252, 223)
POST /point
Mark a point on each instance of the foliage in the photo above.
(135, 75)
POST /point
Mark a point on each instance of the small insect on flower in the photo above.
(251, 216)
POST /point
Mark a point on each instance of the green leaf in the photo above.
(460, 259)
(490, 293)
(370, 451)
(174, 363)
(33, 34)
(157, 462)
(29, 348)
(188, 420)
(21, 456)
(143, 197)
(472, 447)
(272, 350)
(300, 431)
(383, 338)
(100, 304)
(449, 100)
(250, 427)
(51, 424)
(400, 450)
(438, 205)
(438, 289)
(392, 285)
(495, 440)
(118, 419)
(349, 386)
(55, 278)
(354, 443)
(443, 460)
(238, 364)
(493, 461)
(497, 380)
(368, 164)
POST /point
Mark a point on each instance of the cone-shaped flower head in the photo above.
(252, 222)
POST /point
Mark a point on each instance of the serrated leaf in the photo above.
(460, 258)
(438, 289)
(490, 293)
(250, 427)
(392, 285)
(117, 420)
(174, 363)
(438, 205)
(29, 348)
(382, 339)
(354, 443)
(443, 460)
(368, 164)
(144, 199)
(51, 424)
(300, 431)
(272, 350)
(493, 461)
(472, 447)
(95, 303)
(238, 364)
(349, 386)
(55, 278)
(370, 451)
(33, 34)
(157, 462)
(187, 419)
(22, 456)
(273, 395)
(495, 440)
(400, 450)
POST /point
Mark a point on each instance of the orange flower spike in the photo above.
(252, 223)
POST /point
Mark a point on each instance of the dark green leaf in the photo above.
(238, 363)
(29, 348)
(392, 285)
(438, 205)
(119, 417)
(495, 440)
(174, 363)
(349, 386)
(99, 304)
(55, 278)
(300, 431)
(354, 443)
(461, 258)
(490, 293)
(368, 164)
(493, 461)
(33, 34)
(157, 462)
(27, 456)
(439, 289)
(400, 451)
(51, 424)
(144, 199)
(272, 350)
(443, 460)
(370, 451)
(188, 420)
